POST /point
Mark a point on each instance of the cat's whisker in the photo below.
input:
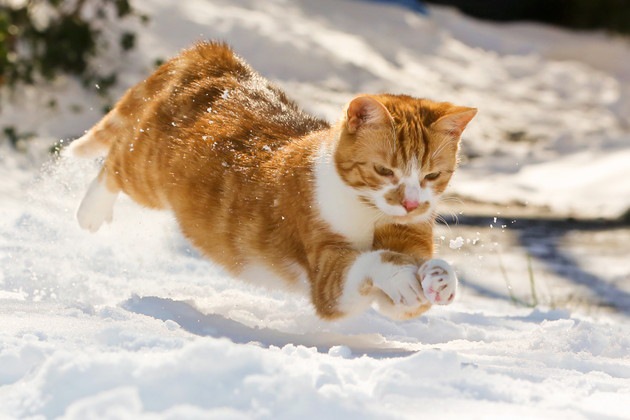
(454, 219)
(452, 199)
(455, 216)
(440, 217)
(443, 221)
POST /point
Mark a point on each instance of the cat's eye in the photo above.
(432, 176)
(383, 171)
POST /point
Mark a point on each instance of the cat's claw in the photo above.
(439, 282)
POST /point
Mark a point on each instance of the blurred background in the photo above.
(610, 15)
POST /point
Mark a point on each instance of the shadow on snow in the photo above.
(214, 325)
(541, 237)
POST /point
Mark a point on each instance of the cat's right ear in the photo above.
(364, 110)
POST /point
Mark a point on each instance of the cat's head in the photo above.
(399, 152)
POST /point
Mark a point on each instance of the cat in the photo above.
(344, 212)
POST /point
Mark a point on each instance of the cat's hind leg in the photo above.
(97, 205)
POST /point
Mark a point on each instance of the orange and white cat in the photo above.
(344, 211)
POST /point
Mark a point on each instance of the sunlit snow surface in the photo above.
(132, 323)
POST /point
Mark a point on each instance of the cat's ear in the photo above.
(455, 121)
(364, 110)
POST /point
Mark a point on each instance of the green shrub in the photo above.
(41, 39)
(30, 49)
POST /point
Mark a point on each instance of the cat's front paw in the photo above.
(403, 287)
(439, 282)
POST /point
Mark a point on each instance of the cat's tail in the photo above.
(94, 143)
(97, 141)
(88, 146)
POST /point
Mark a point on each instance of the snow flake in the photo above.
(456, 243)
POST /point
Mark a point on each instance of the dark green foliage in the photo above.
(65, 45)
(613, 15)
(128, 41)
(14, 137)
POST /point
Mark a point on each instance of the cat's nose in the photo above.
(410, 205)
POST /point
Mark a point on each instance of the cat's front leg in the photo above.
(388, 279)
(438, 284)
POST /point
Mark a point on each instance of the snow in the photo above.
(456, 243)
(588, 184)
(133, 323)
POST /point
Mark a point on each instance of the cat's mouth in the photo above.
(403, 213)
(413, 217)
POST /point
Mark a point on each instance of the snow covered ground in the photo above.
(132, 323)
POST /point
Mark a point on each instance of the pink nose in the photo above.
(410, 205)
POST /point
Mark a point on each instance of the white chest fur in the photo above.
(339, 204)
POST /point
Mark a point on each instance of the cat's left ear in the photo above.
(455, 121)
(365, 110)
